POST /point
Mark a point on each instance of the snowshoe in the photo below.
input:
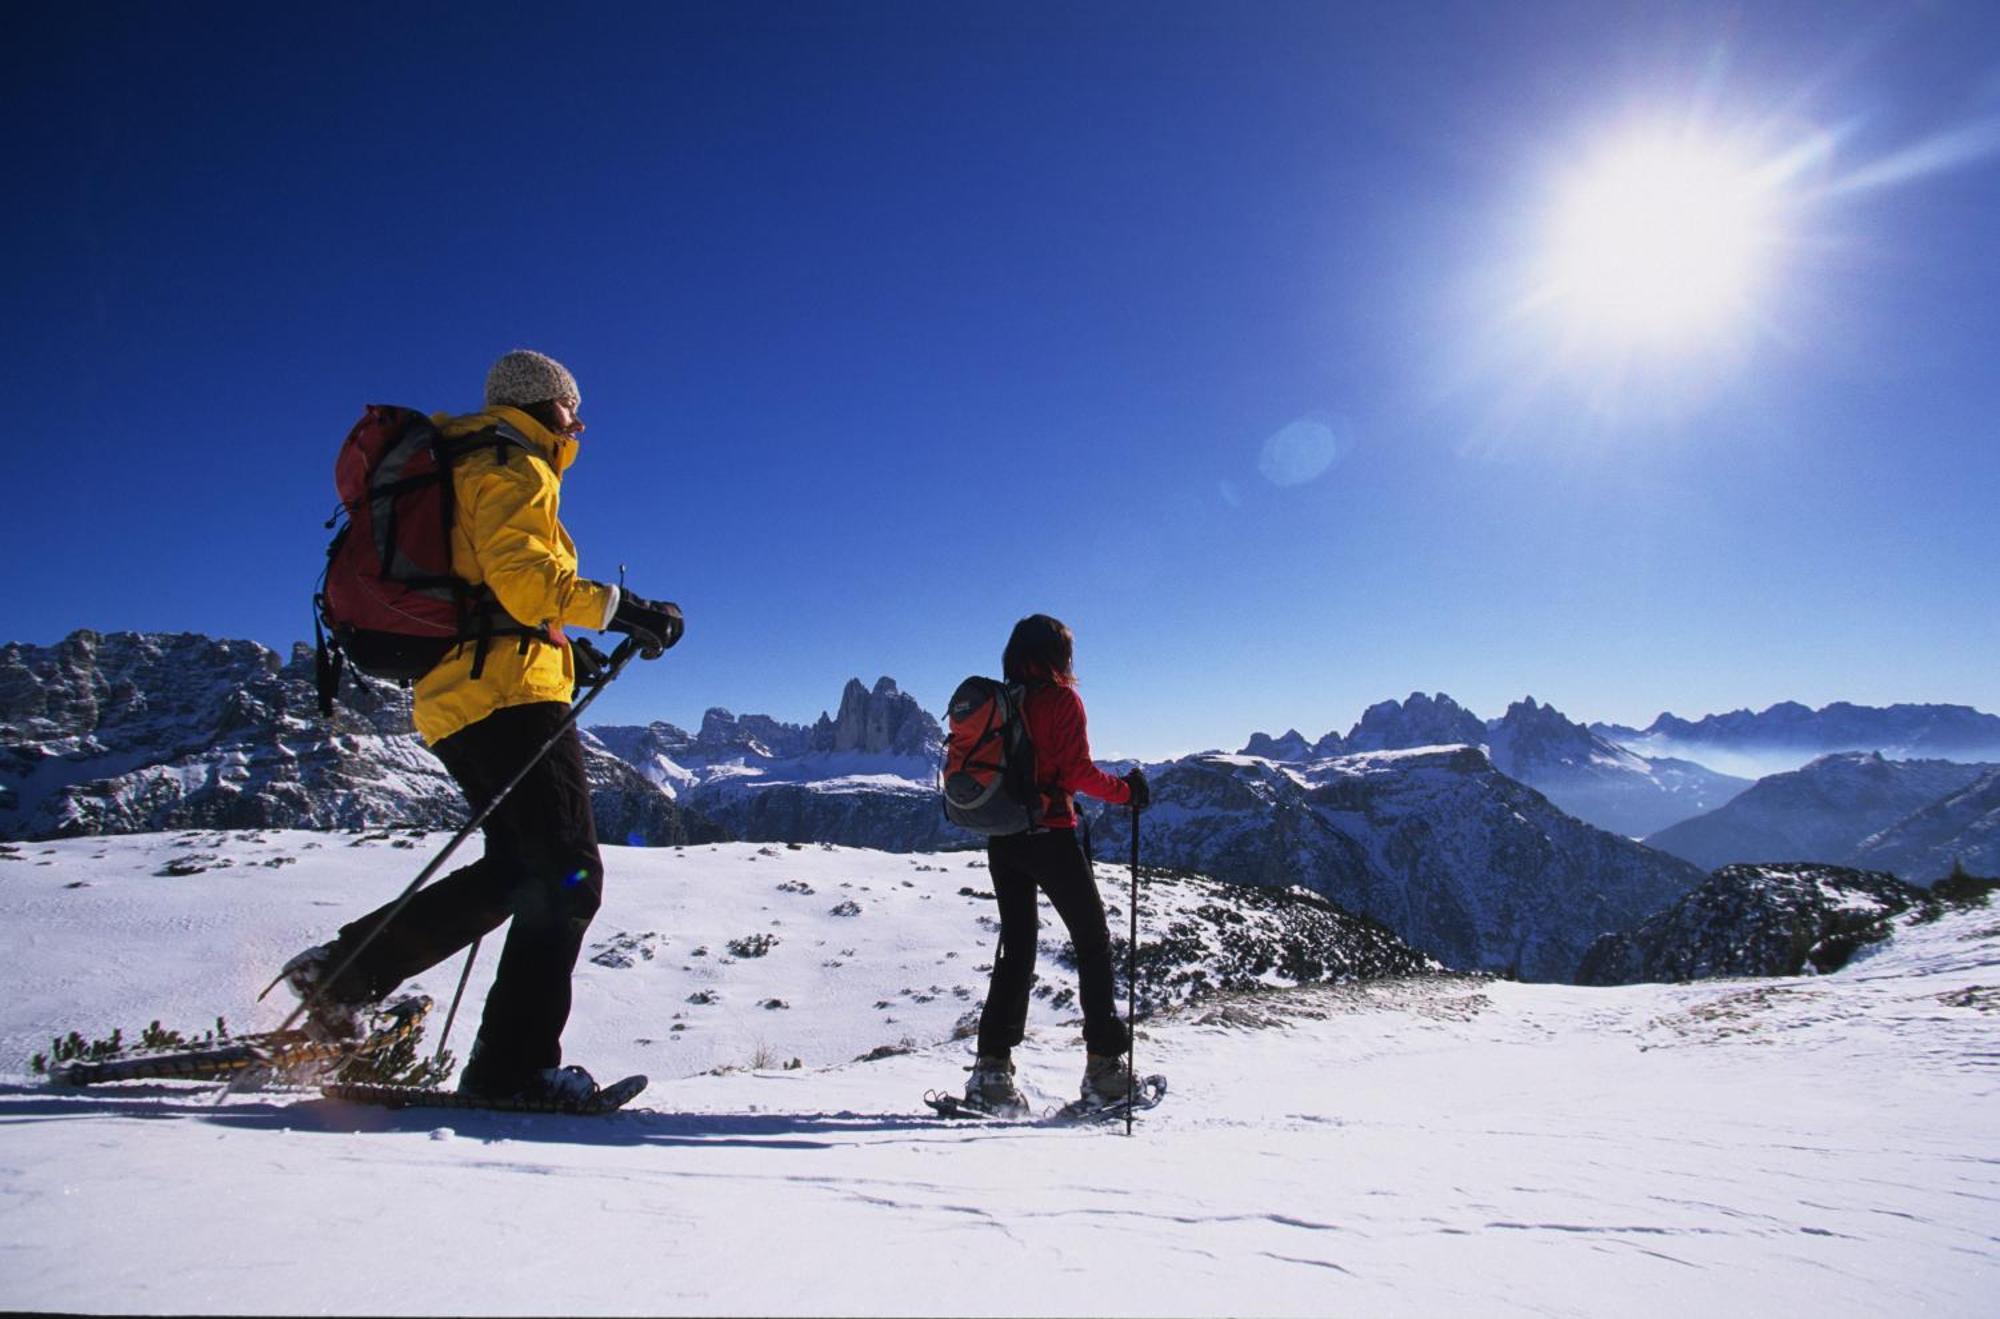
(572, 1093)
(228, 1057)
(1147, 1093)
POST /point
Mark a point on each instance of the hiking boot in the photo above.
(550, 1085)
(328, 1019)
(1106, 1080)
(992, 1088)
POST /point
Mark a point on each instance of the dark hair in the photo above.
(1041, 647)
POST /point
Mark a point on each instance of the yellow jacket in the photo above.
(506, 535)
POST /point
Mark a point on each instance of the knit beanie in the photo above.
(521, 378)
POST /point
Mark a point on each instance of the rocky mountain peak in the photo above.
(1530, 730)
(724, 734)
(1291, 745)
(1418, 721)
(877, 721)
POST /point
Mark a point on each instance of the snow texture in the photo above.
(1411, 1146)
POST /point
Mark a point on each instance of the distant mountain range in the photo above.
(1788, 734)
(1581, 771)
(1459, 834)
(1455, 856)
(862, 777)
(1913, 817)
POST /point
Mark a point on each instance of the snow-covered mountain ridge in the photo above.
(863, 776)
(126, 731)
(1461, 860)
(1408, 1146)
(180, 730)
(1587, 775)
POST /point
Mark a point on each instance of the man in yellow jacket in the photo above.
(485, 709)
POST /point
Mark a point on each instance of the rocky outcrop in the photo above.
(1772, 920)
(1205, 936)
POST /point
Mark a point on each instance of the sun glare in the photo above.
(1659, 241)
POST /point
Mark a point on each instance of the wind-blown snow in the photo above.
(1415, 1146)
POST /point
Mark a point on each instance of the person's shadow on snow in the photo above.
(310, 1114)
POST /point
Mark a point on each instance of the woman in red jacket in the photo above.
(1052, 858)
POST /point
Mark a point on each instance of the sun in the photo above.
(1659, 240)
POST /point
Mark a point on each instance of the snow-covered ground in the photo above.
(1423, 1146)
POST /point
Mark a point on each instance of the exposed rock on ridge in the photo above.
(1770, 920)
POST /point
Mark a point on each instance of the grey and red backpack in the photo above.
(988, 777)
(388, 603)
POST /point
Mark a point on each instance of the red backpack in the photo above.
(989, 762)
(388, 602)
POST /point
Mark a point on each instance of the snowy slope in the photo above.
(1414, 1146)
(708, 956)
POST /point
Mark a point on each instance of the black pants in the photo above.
(1055, 862)
(541, 867)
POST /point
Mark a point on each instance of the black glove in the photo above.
(654, 624)
(1142, 792)
(589, 662)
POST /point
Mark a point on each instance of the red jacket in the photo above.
(1054, 715)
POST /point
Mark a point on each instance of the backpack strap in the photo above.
(482, 615)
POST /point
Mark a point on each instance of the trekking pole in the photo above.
(444, 1036)
(619, 659)
(1132, 981)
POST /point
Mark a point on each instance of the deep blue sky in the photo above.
(894, 323)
